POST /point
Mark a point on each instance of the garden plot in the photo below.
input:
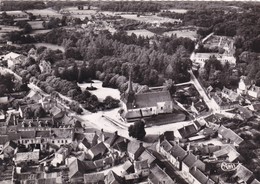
(36, 24)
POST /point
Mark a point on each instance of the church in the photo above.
(141, 105)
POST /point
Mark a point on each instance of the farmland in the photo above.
(45, 13)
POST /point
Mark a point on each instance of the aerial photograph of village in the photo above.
(129, 92)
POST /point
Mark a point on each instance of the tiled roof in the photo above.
(166, 145)
(190, 159)
(147, 155)
(188, 131)
(157, 175)
(151, 99)
(200, 176)
(229, 134)
(178, 152)
(3, 139)
(243, 173)
(139, 165)
(99, 149)
(113, 178)
(94, 178)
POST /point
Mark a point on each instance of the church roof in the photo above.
(150, 99)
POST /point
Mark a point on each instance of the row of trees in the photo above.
(131, 6)
(105, 54)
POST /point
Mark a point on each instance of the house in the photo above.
(97, 151)
(56, 112)
(142, 168)
(157, 175)
(45, 66)
(104, 163)
(200, 177)
(200, 58)
(226, 152)
(34, 95)
(27, 157)
(229, 135)
(254, 91)
(77, 169)
(128, 167)
(243, 175)
(229, 94)
(3, 140)
(61, 136)
(9, 147)
(147, 155)
(94, 178)
(48, 103)
(60, 156)
(13, 59)
(4, 100)
(242, 88)
(113, 178)
(188, 131)
(134, 150)
(138, 105)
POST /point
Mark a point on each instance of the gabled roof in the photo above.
(243, 173)
(103, 162)
(190, 159)
(98, 149)
(166, 145)
(94, 178)
(142, 164)
(121, 146)
(178, 152)
(157, 175)
(76, 168)
(150, 99)
(188, 131)
(229, 134)
(228, 151)
(135, 148)
(111, 140)
(147, 155)
(128, 166)
(113, 178)
(200, 176)
(254, 88)
(3, 139)
(11, 55)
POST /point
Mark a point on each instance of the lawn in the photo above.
(101, 92)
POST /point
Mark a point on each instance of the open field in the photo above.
(45, 13)
(36, 24)
(141, 32)
(183, 33)
(7, 29)
(40, 31)
(148, 19)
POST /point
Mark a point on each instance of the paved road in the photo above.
(210, 102)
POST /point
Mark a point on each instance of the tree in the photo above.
(111, 103)
(39, 112)
(137, 130)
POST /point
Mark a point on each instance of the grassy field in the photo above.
(45, 12)
(7, 29)
(183, 33)
(40, 31)
(141, 32)
(36, 24)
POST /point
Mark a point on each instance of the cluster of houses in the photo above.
(216, 42)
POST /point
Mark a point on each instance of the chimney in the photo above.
(195, 168)
(140, 144)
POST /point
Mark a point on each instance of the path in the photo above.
(210, 102)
